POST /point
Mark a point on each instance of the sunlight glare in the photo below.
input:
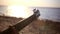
(17, 11)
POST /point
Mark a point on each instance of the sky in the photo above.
(47, 13)
(29, 3)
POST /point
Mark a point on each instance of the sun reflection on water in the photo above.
(19, 11)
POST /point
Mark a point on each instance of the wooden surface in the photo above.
(19, 24)
(42, 27)
(5, 22)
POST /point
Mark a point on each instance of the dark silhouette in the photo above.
(34, 10)
(37, 12)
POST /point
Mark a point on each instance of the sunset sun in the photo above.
(18, 11)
